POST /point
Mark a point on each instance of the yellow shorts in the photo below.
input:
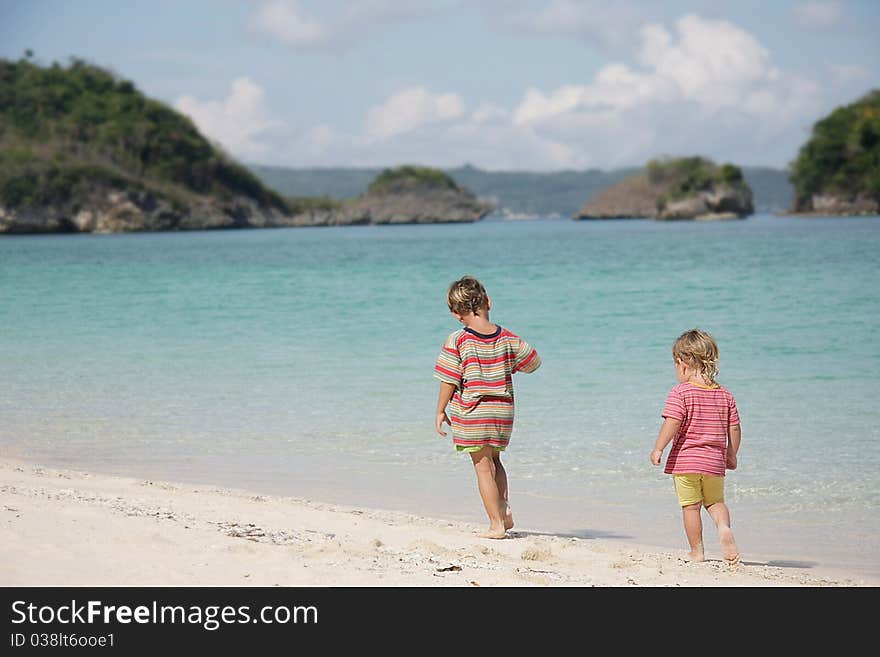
(695, 488)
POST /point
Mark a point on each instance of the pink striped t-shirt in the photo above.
(701, 444)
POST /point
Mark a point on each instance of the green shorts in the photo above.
(695, 488)
(476, 448)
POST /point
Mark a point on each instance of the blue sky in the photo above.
(535, 85)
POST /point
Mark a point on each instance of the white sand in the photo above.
(68, 528)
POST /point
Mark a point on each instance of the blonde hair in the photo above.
(467, 295)
(699, 350)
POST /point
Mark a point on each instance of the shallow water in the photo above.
(298, 361)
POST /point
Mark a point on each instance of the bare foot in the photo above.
(508, 517)
(696, 555)
(728, 546)
(494, 533)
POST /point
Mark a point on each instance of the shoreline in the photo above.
(64, 527)
(826, 215)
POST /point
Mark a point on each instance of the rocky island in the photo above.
(406, 194)
(82, 150)
(675, 188)
(837, 171)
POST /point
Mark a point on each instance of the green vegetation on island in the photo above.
(302, 204)
(837, 171)
(675, 188)
(66, 131)
(408, 194)
(416, 194)
(687, 176)
(82, 150)
(518, 194)
(408, 178)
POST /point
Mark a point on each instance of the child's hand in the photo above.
(438, 422)
(731, 461)
(656, 456)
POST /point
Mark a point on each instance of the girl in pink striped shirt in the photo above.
(701, 420)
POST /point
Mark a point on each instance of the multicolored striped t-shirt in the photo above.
(706, 415)
(481, 367)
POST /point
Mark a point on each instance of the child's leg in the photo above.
(503, 491)
(721, 515)
(689, 489)
(713, 488)
(693, 529)
(484, 465)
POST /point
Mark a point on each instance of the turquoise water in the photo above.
(298, 361)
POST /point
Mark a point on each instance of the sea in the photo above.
(298, 362)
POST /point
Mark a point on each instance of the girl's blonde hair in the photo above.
(699, 350)
(467, 295)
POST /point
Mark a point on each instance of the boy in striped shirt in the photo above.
(475, 369)
(702, 421)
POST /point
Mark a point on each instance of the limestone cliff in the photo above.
(108, 210)
(406, 194)
(680, 188)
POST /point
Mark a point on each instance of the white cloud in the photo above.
(291, 23)
(702, 87)
(411, 108)
(496, 145)
(239, 122)
(366, 12)
(712, 63)
(710, 66)
(608, 24)
(818, 15)
(536, 106)
(488, 112)
(615, 88)
(288, 21)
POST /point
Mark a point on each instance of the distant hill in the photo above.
(83, 150)
(519, 193)
(514, 193)
(837, 171)
(772, 189)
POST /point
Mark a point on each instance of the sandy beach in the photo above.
(71, 528)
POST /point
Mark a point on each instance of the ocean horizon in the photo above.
(298, 361)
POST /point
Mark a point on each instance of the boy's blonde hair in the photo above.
(699, 350)
(467, 295)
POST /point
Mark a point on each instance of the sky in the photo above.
(525, 85)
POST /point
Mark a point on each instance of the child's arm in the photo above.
(734, 436)
(668, 431)
(527, 359)
(446, 392)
